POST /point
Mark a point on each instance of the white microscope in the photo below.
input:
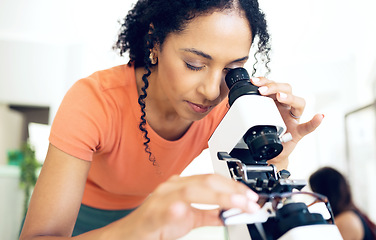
(251, 133)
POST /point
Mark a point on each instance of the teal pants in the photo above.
(92, 218)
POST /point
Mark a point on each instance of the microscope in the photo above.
(251, 133)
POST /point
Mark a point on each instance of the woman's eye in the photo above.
(191, 67)
(226, 70)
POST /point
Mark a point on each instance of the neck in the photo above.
(161, 117)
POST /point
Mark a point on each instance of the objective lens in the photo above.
(263, 142)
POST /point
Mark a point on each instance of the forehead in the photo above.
(227, 31)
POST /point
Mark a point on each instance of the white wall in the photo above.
(45, 46)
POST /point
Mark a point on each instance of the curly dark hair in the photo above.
(150, 22)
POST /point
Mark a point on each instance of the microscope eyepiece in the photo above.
(237, 81)
(235, 75)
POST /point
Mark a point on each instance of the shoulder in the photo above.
(118, 76)
(103, 80)
(91, 110)
(103, 88)
(350, 225)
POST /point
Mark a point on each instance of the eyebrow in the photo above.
(207, 56)
(197, 52)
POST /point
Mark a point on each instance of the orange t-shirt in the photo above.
(98, 121)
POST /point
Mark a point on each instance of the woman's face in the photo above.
(192, 64)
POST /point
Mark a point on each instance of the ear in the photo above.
(156, 48)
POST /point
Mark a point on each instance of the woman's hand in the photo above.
(291, 109)
(168, 213)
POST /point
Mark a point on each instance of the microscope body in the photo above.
(251, 133)
(246, 112)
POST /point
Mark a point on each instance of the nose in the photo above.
(210, 86)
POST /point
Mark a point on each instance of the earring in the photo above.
(153, 59)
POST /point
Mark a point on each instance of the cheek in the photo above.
(179, 78)
(224, 90)
(168, 73)
(184, 83)
(175, 79)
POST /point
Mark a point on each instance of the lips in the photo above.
(199, 108)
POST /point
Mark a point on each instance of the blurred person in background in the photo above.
(352, 223)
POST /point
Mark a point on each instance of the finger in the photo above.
(260, 81)
(179, 211)
(310, 126)
(296, 104)
(272, 85)
(223, 200)
(282, 92)
(218, 183)
(272, 89)
(215, 189)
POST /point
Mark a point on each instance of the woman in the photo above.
(126, 132)
(351, 222)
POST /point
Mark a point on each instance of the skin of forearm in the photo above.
(115, 230)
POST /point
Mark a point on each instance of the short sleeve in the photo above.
(81, 120)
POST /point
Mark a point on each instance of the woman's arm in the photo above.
(57, 196)
(166, 214)
(350, 226)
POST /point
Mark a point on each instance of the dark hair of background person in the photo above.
(331, 183)
(150, 22)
